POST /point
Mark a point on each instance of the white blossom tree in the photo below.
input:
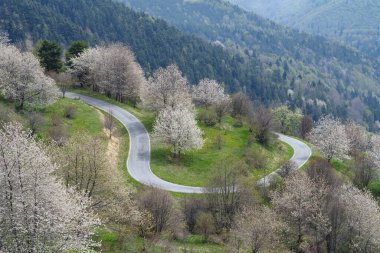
(302, 205)
(258, 228)
(166, 88)
(358, 137)
(178, 128)
(112, 69)
(208, 92)
(361, 226)
(329, 136)
(374, 151)
(22, 79)
(37, 212)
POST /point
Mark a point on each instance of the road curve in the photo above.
(138, 163)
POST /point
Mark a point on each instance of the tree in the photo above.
(208, 92)
(258, 228)
(112, 70)
(223, 194)
(38, 214)
(75, 49)
(364, 171)
(306, 126)
(109, 122)
(330, 137)
(166, 88)
(241, 104)
(160, 205)
(302, 204)
(374, 152)
(83, 161)
(222, 108)
(63, 80)
(358, 138)
(263, 124)
(205, 225)
(23, 80)
(286, 121)
(49, 53)
(361, 227)
(178, 128)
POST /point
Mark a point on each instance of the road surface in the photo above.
(138, 163)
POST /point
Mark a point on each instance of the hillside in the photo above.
(154, 42)
(245, 52)
(313, 69)
(354, 22)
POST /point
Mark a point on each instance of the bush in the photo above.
(192, 207)
(58, 135)
(208, 117)
(218, 142)
(6, 115)
(205, 225)
(255, 158)
(36, 120)
(69, 111)
(56, 120)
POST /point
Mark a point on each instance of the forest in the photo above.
(271, 63)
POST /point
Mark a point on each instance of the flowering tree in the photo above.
(361, 226)
(258, 228)
(112, 69)
(302, 204)
(22, 78)
(37, 212)
(178, 128)
(330, 137)
(358, 138)
(167, 88)
(208, 92)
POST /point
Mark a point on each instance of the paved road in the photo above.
(138, 163)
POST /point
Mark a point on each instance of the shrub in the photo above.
(69, 111)
(56, 120)
(58, 135)
(36, 120)
(208, 117)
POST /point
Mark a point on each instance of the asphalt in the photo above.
(138, 162)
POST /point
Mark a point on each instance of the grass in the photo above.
(195, 168)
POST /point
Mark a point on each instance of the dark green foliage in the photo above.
(49, 54)
(75, 49)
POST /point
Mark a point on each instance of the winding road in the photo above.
(138, 163)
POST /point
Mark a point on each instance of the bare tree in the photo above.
(258, 228)
(167, 88)
(241, 104)
(330, 137)
(36, 120)
(38, 214)
(222, 108)
(263, 124)
(223, 195)
(208, 92)
(83, 163)
(364, 171)
(63, 80)
(306, 126)
(109, 122)
(160, 205)
(178, 128)
(192, 208)
(205, 225)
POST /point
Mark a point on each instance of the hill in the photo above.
(313, 69)
(245, 52)
(354, 22)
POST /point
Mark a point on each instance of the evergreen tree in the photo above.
(49, 54)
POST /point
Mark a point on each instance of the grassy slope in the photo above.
(196, 167)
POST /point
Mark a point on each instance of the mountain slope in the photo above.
(315, 71)
(355, 22)
(155, 43)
